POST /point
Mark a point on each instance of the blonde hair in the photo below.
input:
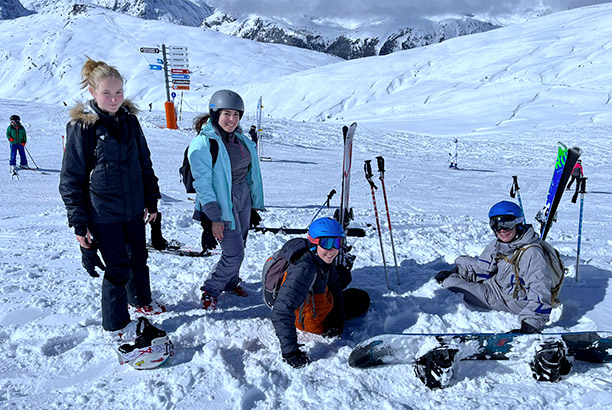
(93, 72)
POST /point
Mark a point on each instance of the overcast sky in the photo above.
(381, 8)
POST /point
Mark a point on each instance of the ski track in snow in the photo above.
(50, 326)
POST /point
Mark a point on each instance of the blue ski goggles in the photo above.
(506, 222)
(327, 242)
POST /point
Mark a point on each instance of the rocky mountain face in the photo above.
(11, 9)
(347, 44)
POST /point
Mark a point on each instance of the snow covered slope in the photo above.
(55, 354)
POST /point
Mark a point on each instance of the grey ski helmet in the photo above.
(225, 99)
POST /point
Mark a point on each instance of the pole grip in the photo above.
(381, 164)
(367, 167)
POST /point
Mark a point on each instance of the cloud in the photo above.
(393, 8)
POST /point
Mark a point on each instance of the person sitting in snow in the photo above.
(16, 136)
(110, 191)
(323, 307)
(490, 281)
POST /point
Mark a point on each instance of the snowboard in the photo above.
(406, 348)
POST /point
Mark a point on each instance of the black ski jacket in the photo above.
(304, 265)
(107, 175)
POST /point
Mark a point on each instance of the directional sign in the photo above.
(160, 61)
(177, 54)
(155, 67)
(180, 87)
(179, 71)
(177, 60)
(176, 48)
(180, 76)
(153, 50)
(184, 82)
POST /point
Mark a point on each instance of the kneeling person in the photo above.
(311, 298)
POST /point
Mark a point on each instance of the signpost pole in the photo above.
(169, 105)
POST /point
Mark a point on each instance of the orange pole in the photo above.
(170, 115)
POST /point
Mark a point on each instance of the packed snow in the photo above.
(56, 355)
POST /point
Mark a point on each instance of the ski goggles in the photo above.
(327, 242)
(506, 222)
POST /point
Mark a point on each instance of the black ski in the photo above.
(356, 232)
(566, 160)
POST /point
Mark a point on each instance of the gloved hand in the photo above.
(255, 218)
(157, 240)
(208, 240)
(23, 143)
(296, 359)
(443, 274)
(10, 139)
(90, 259)
(333, 332)
(525, 328)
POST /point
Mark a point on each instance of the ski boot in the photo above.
(435, 368)
(550, 361)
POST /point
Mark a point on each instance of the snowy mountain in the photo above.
(11, 9)
(507, 95)
(183, 12)
(367, 39)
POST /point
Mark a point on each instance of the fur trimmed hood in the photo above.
(87, 114)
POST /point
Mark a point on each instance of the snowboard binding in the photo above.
(550, 361)
(435, 368)
(151, 349)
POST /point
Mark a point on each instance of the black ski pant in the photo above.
(356, 302)
(126, 279)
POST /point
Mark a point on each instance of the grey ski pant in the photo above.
(484, 294)
(225, 274)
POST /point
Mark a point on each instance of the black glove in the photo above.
(90, 259)
(443, 274)
(208, 240)
(157, 240)
(333, 332)
(296, 359)
(525, 328)
(255, 218)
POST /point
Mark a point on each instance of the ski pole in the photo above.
(582, 183)
(516, 191)
(32, 158)
(329, 197)
(367, 167)
(381, 169)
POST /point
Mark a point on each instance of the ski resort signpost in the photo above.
(175, 64)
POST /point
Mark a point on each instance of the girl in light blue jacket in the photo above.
(228, 184)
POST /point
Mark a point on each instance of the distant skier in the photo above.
(16, 136)
(110, 191)
(323, 307)
(510, 275)
(150, 106)
(452, 153)
(253, 134)
(229, 190)
(577, 173)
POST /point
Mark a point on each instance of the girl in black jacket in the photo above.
(110, 191)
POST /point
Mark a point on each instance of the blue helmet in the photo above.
(325, 227)
(505, 208)
(506, 215)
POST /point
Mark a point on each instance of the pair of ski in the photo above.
(367, 167)
(175, 247)
(435, 355)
